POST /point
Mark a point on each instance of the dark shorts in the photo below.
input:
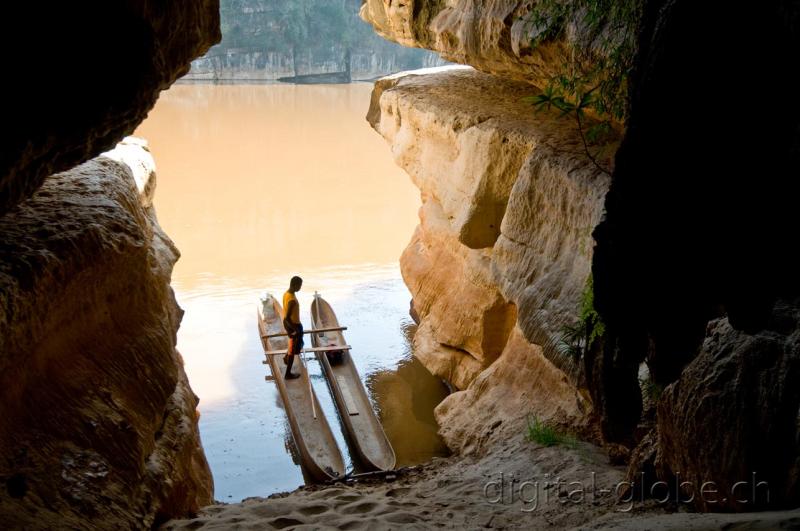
(296, 343)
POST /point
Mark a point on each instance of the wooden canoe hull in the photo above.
(319, 454)
(363, 429)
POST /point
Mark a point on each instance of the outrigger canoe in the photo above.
(363, 429)
(319, 454)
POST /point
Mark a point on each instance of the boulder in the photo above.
(732, 418)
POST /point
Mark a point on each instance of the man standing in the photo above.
(292, 324)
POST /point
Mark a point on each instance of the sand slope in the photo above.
(449, 493)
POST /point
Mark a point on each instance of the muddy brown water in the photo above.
(257, 183)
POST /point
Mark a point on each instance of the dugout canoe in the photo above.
(319, 454)
(362, 426)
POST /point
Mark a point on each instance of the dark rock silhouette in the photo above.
(82, 75)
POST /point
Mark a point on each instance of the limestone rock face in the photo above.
(464, 319)
(520, 384)
(509, 203)
(492, 35)
(90, 72)
(99, 424)
(732, 416)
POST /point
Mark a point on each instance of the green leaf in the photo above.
(585, 100)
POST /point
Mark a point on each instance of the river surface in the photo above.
(257, 183)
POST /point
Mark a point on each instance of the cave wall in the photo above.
(732, 416)
(699, 213)
(99, 422)
(81, 75)
(694, 267)
(699, 224)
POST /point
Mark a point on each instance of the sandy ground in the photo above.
(554, 488)
(461, 493)
(701, 522)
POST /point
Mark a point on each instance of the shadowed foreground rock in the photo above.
(99, 424)
(84, 74)
(732, 417)
(699, 218)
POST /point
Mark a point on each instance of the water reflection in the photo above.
(269, 178)
(405, 397)
(256, 184)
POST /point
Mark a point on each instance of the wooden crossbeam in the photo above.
(317, 331)
(315, 349)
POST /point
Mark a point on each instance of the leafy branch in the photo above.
(600, 51)
(550, 98)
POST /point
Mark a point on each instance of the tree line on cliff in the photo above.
(306, 31)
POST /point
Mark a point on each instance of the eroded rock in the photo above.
(465, 321)
(99, 424)
(509, 203)
(520, 385)
(495, 36)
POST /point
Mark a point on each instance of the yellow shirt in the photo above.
(289, 296)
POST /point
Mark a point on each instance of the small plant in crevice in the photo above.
(601, 36)
(546, 435)
(602, 44)
(580, 336)
(599, 133)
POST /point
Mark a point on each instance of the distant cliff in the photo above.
(234, 64)
(269, 39)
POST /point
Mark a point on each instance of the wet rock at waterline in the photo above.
(87, 73)
(509, 203)
(99, 423)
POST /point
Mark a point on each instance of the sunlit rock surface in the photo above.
(520, 385)
(464, 319)
(492, 35)
(99, 424)
(88, 73)
(509, 203)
